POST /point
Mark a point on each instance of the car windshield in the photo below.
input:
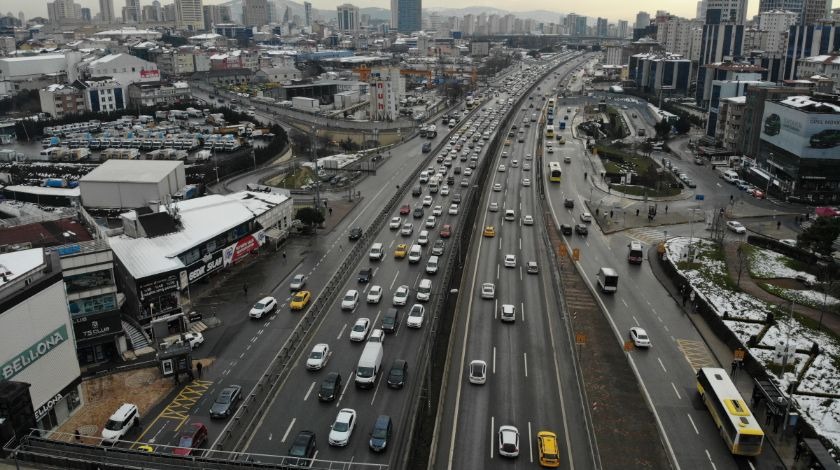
(224, 397)
(298, 278)
(316, 354)
(415, 312)
(348, 297)
(259, 306)
(379, 433)
(359, 327)
(340, 426)
(396, 373)
(643, 336)
(113, 425)
(186, 441)
(477, 370)
(364, 372)
(327, 386)
(298, 449)
(300, 296)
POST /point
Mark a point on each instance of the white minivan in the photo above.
(424, 290)
(432, 265)
(730, 176)
(376, 252)
(414, 254)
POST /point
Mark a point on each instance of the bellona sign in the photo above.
(26, 358)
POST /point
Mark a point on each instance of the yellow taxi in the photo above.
(401, 251)
(300, 300)
(547, 446)
(489, 231)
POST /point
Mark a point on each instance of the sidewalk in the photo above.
(782, 443)
(730, 249)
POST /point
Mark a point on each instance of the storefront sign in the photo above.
(205, 266)
(235, 253)
(38, 350)
(158, 286)
(92, 326)
(46, 407)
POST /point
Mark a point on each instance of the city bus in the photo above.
(549, 131)
(554, 172)
(738, 426)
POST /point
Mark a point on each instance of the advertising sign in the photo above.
(94, 326)
(158, 286)
(26, 358)
(808, 135)
(205, 266)
(236, 252)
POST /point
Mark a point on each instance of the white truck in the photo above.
(369, 364)
(608, 280)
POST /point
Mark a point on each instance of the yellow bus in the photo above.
(738, 426)
(554, 172)
(549, 131)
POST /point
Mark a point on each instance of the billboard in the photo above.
(808, 135)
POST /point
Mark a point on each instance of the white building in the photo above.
(38, 345)
(825, 65)
(386, 89)
(348, 18)
(777, 20)
(104, 95)
(677, 35)
(29, 67)
(189, 15)
(126, 184)
(125, 34)
(124, 68)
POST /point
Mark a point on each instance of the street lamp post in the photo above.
(317, 176)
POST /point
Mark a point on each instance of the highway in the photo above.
(531, 382)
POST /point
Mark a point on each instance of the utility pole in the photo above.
(317, 176)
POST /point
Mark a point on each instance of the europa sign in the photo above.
(38, 350)
(153, 74)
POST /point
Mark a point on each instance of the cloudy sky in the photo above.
(612, 9)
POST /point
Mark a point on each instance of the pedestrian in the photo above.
(800, 447)
(284, 255)
(734, 368)
(198, 368)
(77, 435)
(666, 209)
(245, 288)
(330, 210)
(778, 225)
(637, 212)
(611, 214)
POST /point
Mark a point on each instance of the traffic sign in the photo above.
(576, 254)
(562, 249)
(739, 354)
(699, 197)
(580, 338)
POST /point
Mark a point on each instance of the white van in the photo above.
(608, 280)
(510, 215)
(368, 366)
(423, 238)
(414, 254)
(730, 176)
(424, 290)
(120, 422)
(432, 265)
(424, 177)
(376, 252)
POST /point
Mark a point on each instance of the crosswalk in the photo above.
(646, 235)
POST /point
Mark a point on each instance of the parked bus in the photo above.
(554, 172)
(549, 132)
(738, 426)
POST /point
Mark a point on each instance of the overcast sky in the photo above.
(612, 9)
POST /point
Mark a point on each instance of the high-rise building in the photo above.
(106, 11)
(642, 20)
(601, 26)
(62, 11)
(808, 41)
(254, 12)
(348, 17)
(815, 10)
(622, 29)
(189, 15)
(132, 11)
(777, 20)
(85, 13)
(726, 11)
(409, 15)
(153, 13)
(215, 14)
(307, 13)
(785, 5)
(701, 10)
(395, 13)
(21, 17)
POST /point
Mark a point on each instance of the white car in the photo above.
(427, 201)
(639, 337)
(526, 182)
(264, 306)
(360, 329)
(502, 167)
(526, 167)
(467, 171)
(507, 313)
(297, 282)
(194, 339)
(407, 230)
(444, 190)
(514, 163)
(586, 217)
(493, 207)
(401, 295)
(453, 209)
(736, 226)
(431, 221)
(437, 211)
(508, 441)
(465, 182)
(488, 290)
(376, 336)
(528, 220)
(350, 300)
(318, 357)
(342, 428)
(478, 372)
(497, 187)
(415, 316)
(374, 295)
(528, 156)
(395, 223)
(422, 239)
(510, 261)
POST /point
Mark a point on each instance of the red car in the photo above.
(193, 438)
(446, 231)
(405, 209)
(758, 194)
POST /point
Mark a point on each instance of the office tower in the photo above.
(106, 11)
(132, 11)
(255, 12)
(307, 13)
(814, 10)
(726, 11)
(395, 13)
(622, 28)
(642, 20)
(189, 15)
(215, 14)
(787, 5)
(85, 13)
(348, 18)
(61, 11)
(409, 15)
(601, 26)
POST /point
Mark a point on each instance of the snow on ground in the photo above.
(810, 298)
(767, 264)
(823, 376)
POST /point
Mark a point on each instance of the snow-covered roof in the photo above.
(800, 102)
(127, 32)
(824, 59)
(204, 37)
(17, 263)
(129, 171)
(28, 58)
(736, 99)
(105, 59)
(44, 191)
(201, 219)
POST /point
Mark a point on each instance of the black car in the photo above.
(330, 387)
(365, 275)
(450, 180)
(398, 374)
(581, 230)
(391, 320)
(566, 229)
(427, 147)
(570, 203)
(302, 450)
(226, 402)
(418, 212)
(355, 233)
(381, 433)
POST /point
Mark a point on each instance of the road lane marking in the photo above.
(288, 430)
(341, 332)
(625, 303)
(522, 310)
(525, 359)
(311, 387)
(344, 390)
(635, 320)
(492, 434)
(497, 271)
(530, 444)
(494, 360)
(677, 392)
(662, 365)
(714, 467)
(395, 279)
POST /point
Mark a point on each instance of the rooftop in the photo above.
(806, 103)
(34, 57)
(735, 67)
(823, 59)
(131, 171)
(18, 263)
(49, 233)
